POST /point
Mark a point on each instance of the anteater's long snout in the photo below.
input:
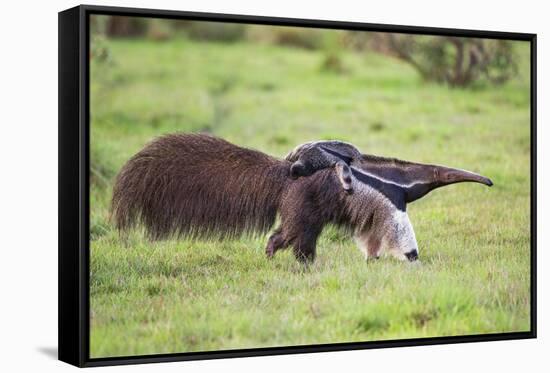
(446, 176)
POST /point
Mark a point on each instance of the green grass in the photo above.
(179, 296)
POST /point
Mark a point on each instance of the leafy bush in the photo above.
(298, 37)
(160, 29)
(356, 40)
(332, 62)
(456, 61)
(213, 31)
(120, 26)
(295, 37)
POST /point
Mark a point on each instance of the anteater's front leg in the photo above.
(303, 217)
(305, 243)
(302, 238)
(276, 242)
(300, 227)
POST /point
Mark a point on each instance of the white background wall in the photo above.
(28, 184)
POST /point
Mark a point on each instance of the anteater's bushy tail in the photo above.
(199, 186)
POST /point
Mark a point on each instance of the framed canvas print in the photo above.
(235, 186)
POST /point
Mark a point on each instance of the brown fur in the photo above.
(198, 185)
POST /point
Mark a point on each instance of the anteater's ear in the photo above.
(344, 176)
(299, 168)
(346, 158)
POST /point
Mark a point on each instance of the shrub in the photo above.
(298, 37)
(332, 62)
(214, 31)
(456, 61)
(356, 40)
(160, 29)
(120, 26)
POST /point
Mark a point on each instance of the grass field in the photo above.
(179, 296)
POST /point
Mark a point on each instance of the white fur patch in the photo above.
(405, 237)
(387, 181)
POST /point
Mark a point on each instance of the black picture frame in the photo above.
(74, 163)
